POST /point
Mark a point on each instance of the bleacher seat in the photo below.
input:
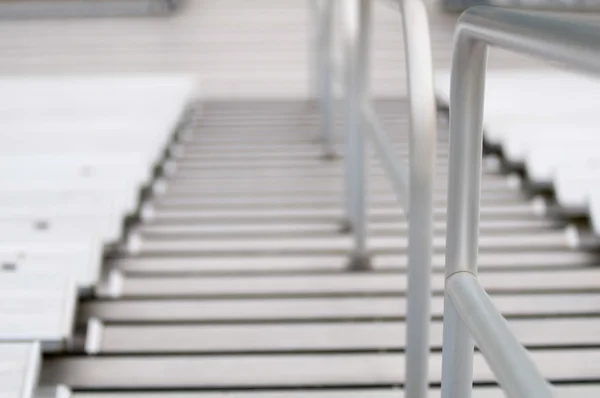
(20, 365)
(37, 306)
(75, 155)
(552, 137)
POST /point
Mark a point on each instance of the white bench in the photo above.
(146, 138)
(144, 109)
(524, 136)
(554, 136)
(89, 97)
(529, 94)
(82, 250)
(37, 306)
(74, 155)
(19, 369)
(118, 194)
(515, 99)
(93, 211)
(100, 224)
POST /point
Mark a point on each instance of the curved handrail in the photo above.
(414, 187)
(423, 120)
(550, 38)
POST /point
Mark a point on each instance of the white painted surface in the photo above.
(236, 48)
(37, 306)
(19, 365)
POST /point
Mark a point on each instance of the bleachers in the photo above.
(78, 157)
(548, 141)
(20, 364)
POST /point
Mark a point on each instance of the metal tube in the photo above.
(423, 123)
(358, 16)
(324, 59)
(564, 41)
(457, 354)
(313, 59)
(363, 48)
(550, 38)
(567, 41)
(466, 140)
(361, 258)
(347, 13)
(395, 168)
(510, 362)
(464, 185)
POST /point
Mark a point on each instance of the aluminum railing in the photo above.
(413, 185)
(469, 314)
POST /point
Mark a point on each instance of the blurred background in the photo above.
(236, 48)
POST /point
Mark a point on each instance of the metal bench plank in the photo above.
(37, 306)
(82, 259)
(19, 369)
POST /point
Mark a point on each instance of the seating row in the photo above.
(77, 156)
(547, 125)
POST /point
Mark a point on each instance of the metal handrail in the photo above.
(468, 311)
(507, 357)
(423, 120)
(384, 148)
(323, 11)
(413, 186)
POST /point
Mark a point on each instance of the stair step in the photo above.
(255, 371)
(335, 263)
(322, 309)
(546, 240)
(372, 336)
(325, 229)
(346, 284)
(562, 391)
(380, 214)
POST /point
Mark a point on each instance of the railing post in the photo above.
(347, 13)
(358, 18)
(423, 132)
(464, 185)
(311, 53)
(325, 79)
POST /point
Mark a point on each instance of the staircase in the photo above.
(238, 281)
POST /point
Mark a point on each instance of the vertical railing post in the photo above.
(348, 22)
(464, 184)
(311, 53)
(325, 75)
(349, 25)
(358, 19)
(423, 132)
